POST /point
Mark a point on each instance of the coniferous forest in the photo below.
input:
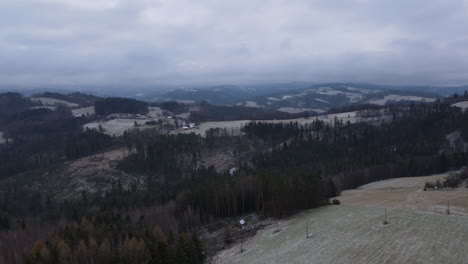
(280, 169)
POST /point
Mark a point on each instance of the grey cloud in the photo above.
(183, 41)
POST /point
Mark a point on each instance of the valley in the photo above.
(122, 179)
(316, 98)
(233, 132)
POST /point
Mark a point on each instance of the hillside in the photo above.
(227, 94)
(72, 99)
(320, 98)
(301, 97)
(354, 231)
(149, 180)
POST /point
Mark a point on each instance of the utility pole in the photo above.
(448, 207)
(386, 218)
(307, 230)
(242, 223)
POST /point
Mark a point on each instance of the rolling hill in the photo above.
(320, 98)
(300, 97)
(227, 94)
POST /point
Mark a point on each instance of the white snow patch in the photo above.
(362, 90)
(462, 105)
(43, 107)
(273, 99)
(232, 171)
(284, 97)
(398, 98)
(321, 100)
(52, 101)
(353, 97)
(295, 110)
(252, 104)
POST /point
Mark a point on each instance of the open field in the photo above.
(236, 126)
(462, 105)
(83, 111)
(398, 98)
(51, 101)
(355, 234)
(155, 112)
(407, 193)
(295, 110)
(116, 126)
(419, 231)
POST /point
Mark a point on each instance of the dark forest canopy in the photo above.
(210, 112)
(290, 167)
(11, 103)
(120, 105)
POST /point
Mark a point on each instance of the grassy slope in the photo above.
(355, 234)
(419, 231)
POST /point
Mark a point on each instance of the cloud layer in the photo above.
(211, 41)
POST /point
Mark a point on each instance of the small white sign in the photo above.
(242, 222)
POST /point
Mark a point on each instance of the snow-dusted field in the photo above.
(233, 127)
(119, 123)
(462, 105)
(355, 234)
(252, 104)
(407, 193)
(405, 182)
(155, 112)
(51, 101)
(395, 97)
(236, 126)
(116, 126)
(419, 231)
(83, 111)
(295, 110)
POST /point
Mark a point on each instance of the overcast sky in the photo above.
(45, 42)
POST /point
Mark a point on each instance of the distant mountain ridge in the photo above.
(319, 98)
(227, 94)
(302, 97)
